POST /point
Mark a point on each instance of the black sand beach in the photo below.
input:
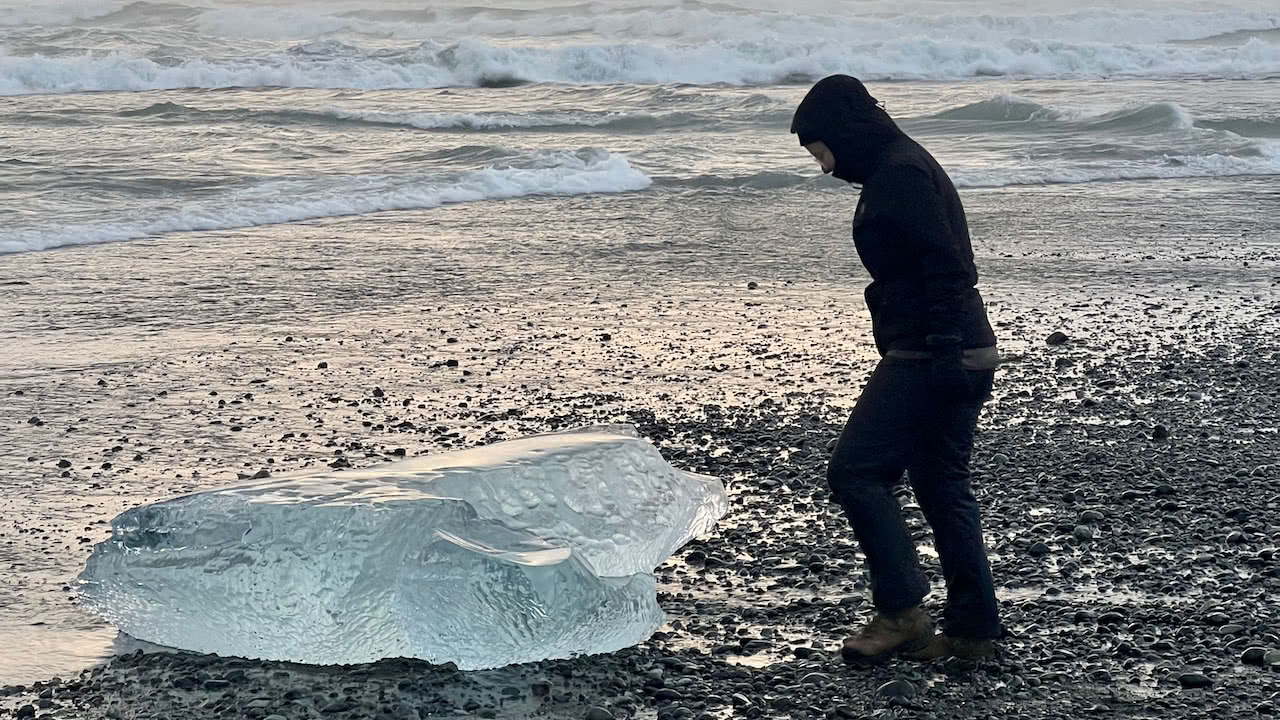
(1130, 477)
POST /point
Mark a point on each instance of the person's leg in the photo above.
(869, 459)
(939, 474)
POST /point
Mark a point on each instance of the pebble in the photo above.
(1083, 532)
(595, 712)
(1194, 680)
(1039, 549)
(322, 366)
(1091, 516)
(1272, 660)
(1254, 656)
(897, 689)
(337, 706)
(1057, 338)
(1160, 432)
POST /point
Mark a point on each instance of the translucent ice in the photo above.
(542, 547)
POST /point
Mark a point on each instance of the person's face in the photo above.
(822, 154)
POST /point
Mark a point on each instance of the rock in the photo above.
(668, 694)
(1236, 538)
(1057, 338)
(377, 392)
(35, 421)
(1272, 660)
(215, 685)
(185, 682)
(1266, 707)
(897, 689)
(753, 285)
(605, 337)
(595, 712)
(261, 475)
(275, 717)
(64, 464)
(1254, 656)
(1083, 532)
(1088, 517)
(739, 700)
(337, 706)
(1160, 432)
(1039, 549)
(451, 363)
(1194, 680)
(25, 712)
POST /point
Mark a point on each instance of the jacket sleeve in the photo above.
(910, 200)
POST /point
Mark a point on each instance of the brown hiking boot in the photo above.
(941, 647)
(885, 634)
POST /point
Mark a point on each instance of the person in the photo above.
(919, 410)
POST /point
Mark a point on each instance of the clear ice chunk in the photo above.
(536, 548)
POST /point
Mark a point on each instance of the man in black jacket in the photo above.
(919, 410)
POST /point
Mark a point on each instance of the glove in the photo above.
(947, 375)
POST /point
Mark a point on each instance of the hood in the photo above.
(840, 112)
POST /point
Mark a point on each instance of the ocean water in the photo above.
(592, 144)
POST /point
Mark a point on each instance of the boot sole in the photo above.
(905, 649)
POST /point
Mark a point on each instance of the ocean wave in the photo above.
(1148, 117)
(707, 23)
(1258, 159)
(562, 121)
(282, 201)
(1263, 161)
(480, 64)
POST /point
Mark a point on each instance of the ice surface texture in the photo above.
(541, 547)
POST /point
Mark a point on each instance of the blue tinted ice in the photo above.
(536, 548)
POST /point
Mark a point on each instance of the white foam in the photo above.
(474, 62)
(876, 20)
(57, 13)
(282, 201)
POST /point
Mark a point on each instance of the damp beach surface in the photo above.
(1127, 476)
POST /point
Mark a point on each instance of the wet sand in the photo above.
(1129, 477)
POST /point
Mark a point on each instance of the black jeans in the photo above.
(900, 424)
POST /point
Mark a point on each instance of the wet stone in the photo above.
(1194, 680)
(1253, 656)
(897, 689)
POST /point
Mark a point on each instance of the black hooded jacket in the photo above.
(909, 227)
